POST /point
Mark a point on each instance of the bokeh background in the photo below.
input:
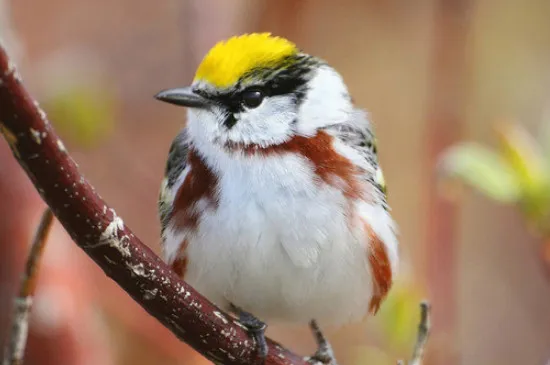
(434, 74)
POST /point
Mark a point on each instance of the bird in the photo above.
(273, 204)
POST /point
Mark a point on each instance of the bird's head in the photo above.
(260, 90)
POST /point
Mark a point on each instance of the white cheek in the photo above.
(270, 123)
(204, 126)
(327, 102)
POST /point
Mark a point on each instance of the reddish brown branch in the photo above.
(96, 228)
(15, 348)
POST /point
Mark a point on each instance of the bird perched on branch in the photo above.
(273, 205)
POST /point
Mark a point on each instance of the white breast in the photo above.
(280, 244)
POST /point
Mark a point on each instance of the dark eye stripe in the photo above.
(285, 85)
(288, 80)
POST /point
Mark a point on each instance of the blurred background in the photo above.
(458, 91)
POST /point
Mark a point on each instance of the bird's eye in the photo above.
(252, 98)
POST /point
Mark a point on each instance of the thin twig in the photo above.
(423, 334)
(15, 348)
(421, 337)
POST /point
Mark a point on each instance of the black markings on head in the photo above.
(230, 120)
(287, 77)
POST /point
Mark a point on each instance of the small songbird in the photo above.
(273, 205)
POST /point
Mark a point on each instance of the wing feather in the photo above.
(358, 134)
(173, 246)
(175, 165)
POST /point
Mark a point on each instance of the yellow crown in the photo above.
(229, 60)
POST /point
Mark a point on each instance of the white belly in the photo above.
(279, 245)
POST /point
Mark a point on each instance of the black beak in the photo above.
(183, 96)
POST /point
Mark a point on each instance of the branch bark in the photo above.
(15, 348)
(102, 234)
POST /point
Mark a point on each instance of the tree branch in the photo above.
(15, 348)
(102, 234)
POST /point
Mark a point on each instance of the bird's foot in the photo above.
(324, 353)
(256, 328)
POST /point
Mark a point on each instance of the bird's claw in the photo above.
(256, 328)
(257, 332)
(324, 353)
